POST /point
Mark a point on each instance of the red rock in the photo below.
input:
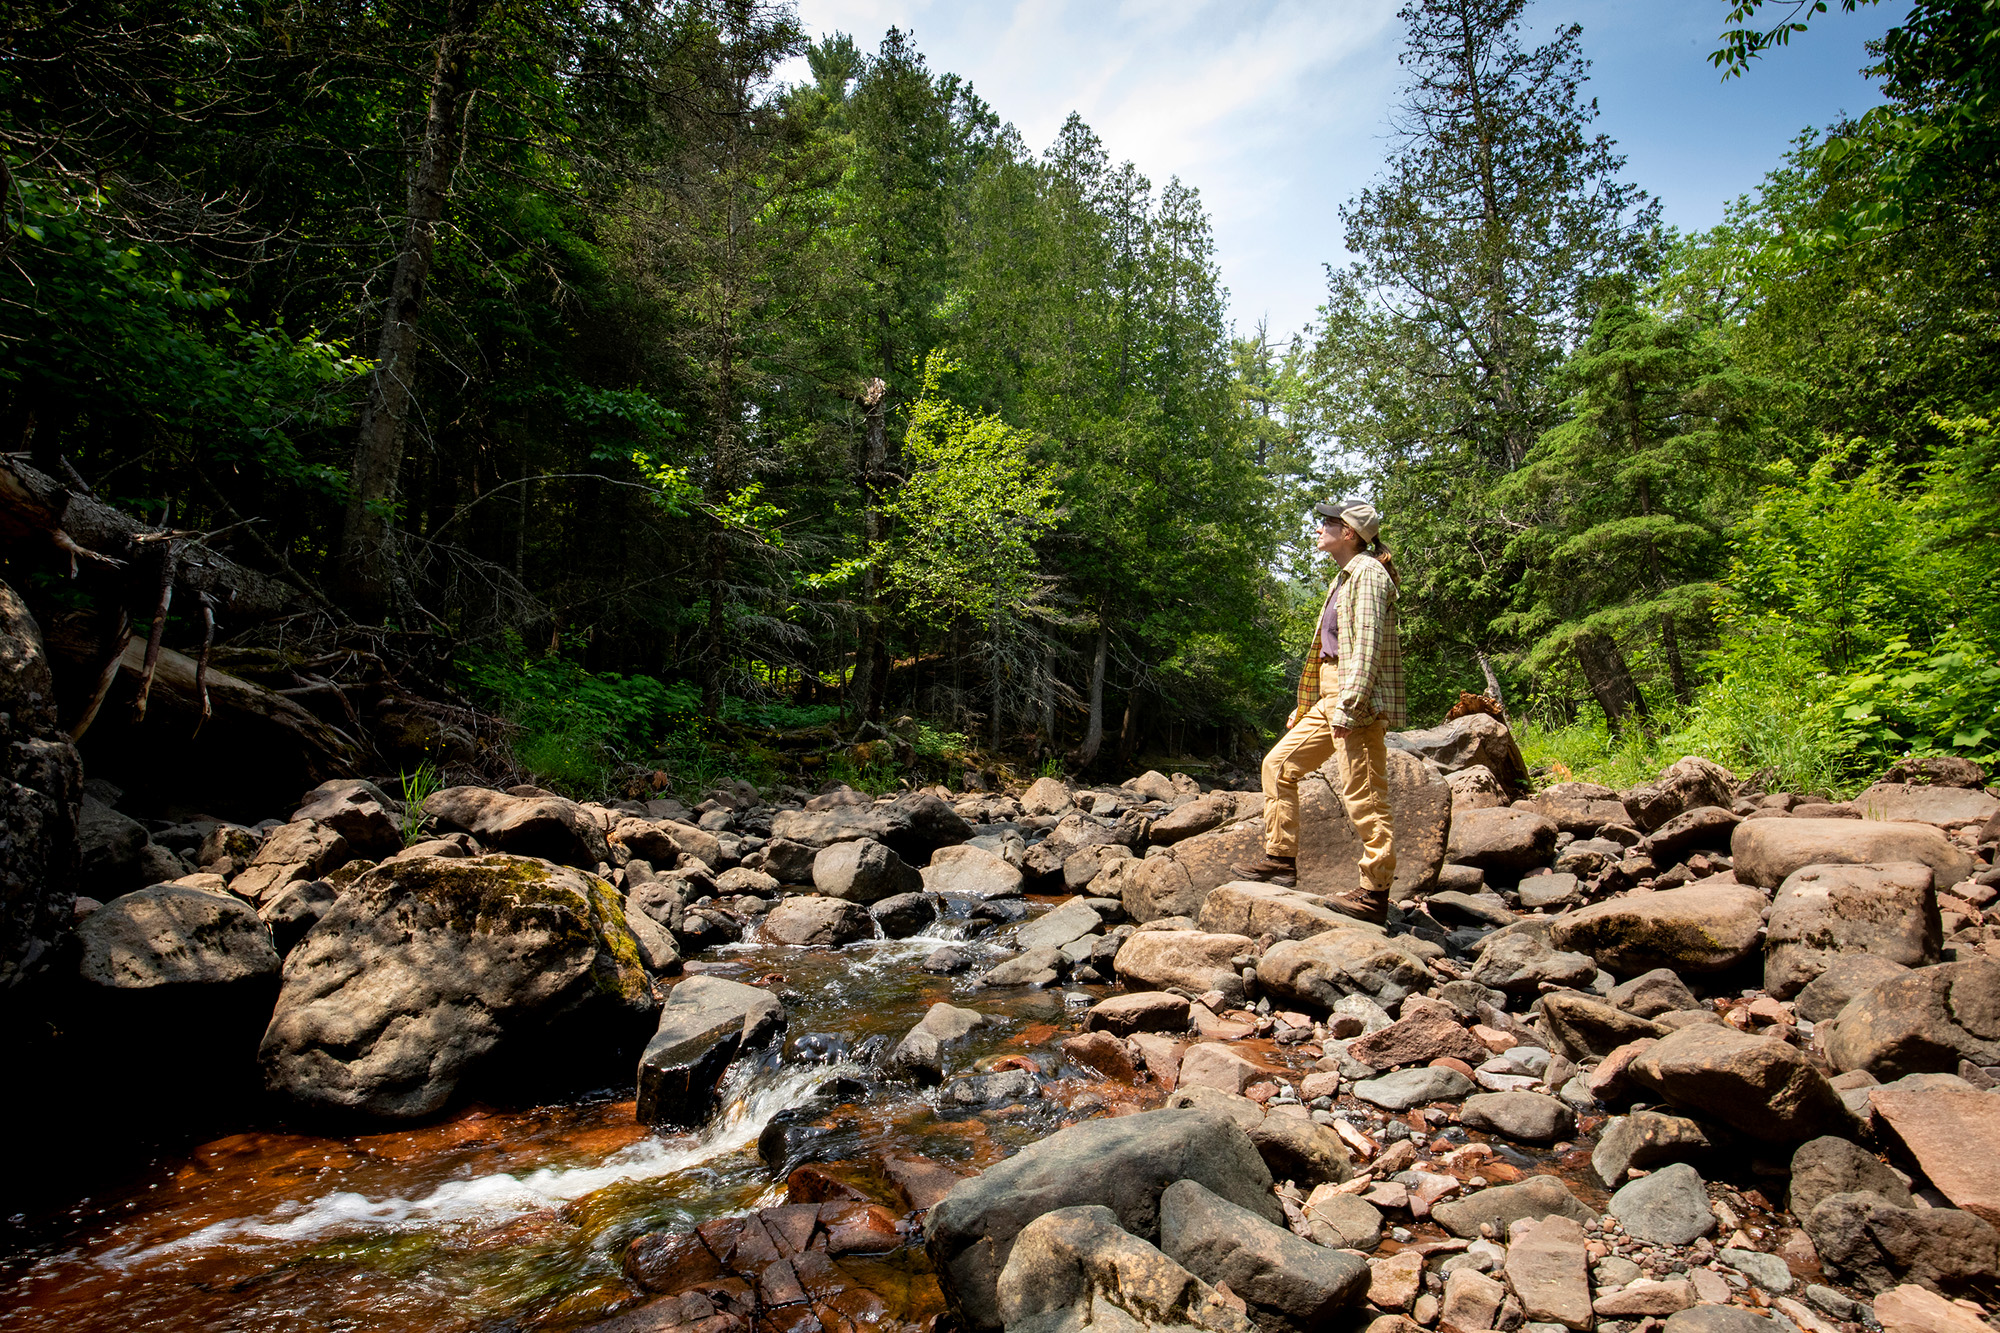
(859, 1228)
(1452, 1062)
(667, 1260)
(1261, 1092)
(1938, 1127)
(814, 1184)
(1162, 1056)
(922, 1181)
(685, 1312)
(1493, 1039)
(1102, 1054)
(1323, 1084)
(1417, 1040)
(1609, 1077)
(791, 1226)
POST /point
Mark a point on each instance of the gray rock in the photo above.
(1036, 967)
(1529, 1117)
(1686, 930)
(905, 914)
(1047, 796)
(923, 1050)
(1123, 1163)
(1549, 1269)
(1463, 742)
(1668, 1207)
(789, 862)
(1301, 1150)
(1924, 1021)
(813, 920)
(1197, 816)
(1823, 912)
(864, 871)
(1519, 963)
(1242, 907)
(1192, 960)
(427, 971)
(1651, 994)
(170, 936)
(1767, 851)
(1585, 1028)
(706, 1023)
(1690, 784)
(359, 811)
(658, 949)
(295, 910)
(1644, 1139)
(1762, 1086)
(1290, 1284)
(1003, 1088)
(1551, 890)
(1318, 972)
(1342, 1221)
(1707, 828)
(1845, 977)
(1824, 1167)
(292, 854)
(1071, 921)
(1720, 1319)
(1414, 1087)
(1075, 1269)
(913, 826)
(544, 826)
(41, 789)
(112, 850)
(1145, 1011)
(1865, 1240)
(1502, 840)
(1503, 1205)
(1581, 808)
(1766, 1270)
(971, 870)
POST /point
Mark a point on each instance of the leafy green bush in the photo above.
(576, 726)
(1944, 699)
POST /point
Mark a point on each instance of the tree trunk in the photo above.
(1670, 641)
(874, 463)
(1610, 679)
(1128, 733)
(1492, 680)
(366, 577)
(1093, 733)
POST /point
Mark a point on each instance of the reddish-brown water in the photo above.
(514, 1218)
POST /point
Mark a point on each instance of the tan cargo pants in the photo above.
(1364, 789)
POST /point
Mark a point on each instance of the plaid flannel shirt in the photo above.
(1368, 678)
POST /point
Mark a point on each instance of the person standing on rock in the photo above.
(1351, 692)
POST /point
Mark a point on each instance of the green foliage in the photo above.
(418, 785)
(577, 726)
(1944, 699)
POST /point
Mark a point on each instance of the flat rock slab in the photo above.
(1687, 930)
(704, 1025)
(1914, 803)
(1144, 1011)
(1503, 1205)
(1419, 813)
(1528, 1117)
(1766, 851)
(1245, 907)
(1414, 1087)
(1923, 1021)
(1824, 911)
(1293, 1283)
(1763, 1086)
(1419, 1039)
(1503, 840)
(1668, 1207)
(1938, 1127)
(1549, 1269)
(1070, 922)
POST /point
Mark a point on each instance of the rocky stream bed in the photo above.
(1691, 1054)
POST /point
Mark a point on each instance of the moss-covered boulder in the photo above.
(435, 975)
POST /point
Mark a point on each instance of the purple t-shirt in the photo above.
(1329, 626)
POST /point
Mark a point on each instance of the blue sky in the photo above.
(1276, 109)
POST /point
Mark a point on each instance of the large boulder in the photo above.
(1763, 1086)
(544, 826)
(1190, 959)
(1246, 907)
(1122, 1163)
(359, 811)
(1152, 887)
(1476, 739)
(1922, 1022)
(1503, 840)
(41, 791)
(294, 853)
(1667, 1207)
(430, 972)
(1330, 849)
(1766, 851)
(1502, 1205)
(1847, 975)
(1688, 930)
(1196, 817)
(942, 1030)
(862, 870)
(1865, 1240)
(1705, 828)
(1211, 858)
(662, 843)
(913, 825)
(969, 869)
(706, 1023)
(1823, 912)
(1581, 808)
(170, 936)
(1690, 784)
(1584, 1027)
(1075, 1270)
(1826, 1166)
(114, 851)
(1934, 1125)
(816, 921)
(1926, 804)
(1318, 971)
(1047, 796)
(1291, 1284)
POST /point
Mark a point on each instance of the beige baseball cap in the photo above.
(1356, 514)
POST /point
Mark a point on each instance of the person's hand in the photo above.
(1292, 718)
(1339, 733)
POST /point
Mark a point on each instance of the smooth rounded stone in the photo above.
(1003, 1088)
(1530, 1117)
(1470, 1299)
(1870, 1243)
(1708, 828)
(1500, 1206)
(1686, 785)
(545, 826)
(1246, 1114)
(706, 1023)
(1459, 744)
(1293, 1285)
(1720, 1319)
(1924, 1021)
(1244, 907)
(1414, 1087)
(1845, 977)
(738, 881)
(1047, 796)
(971, 870)
(297, 908)
(1302, 1150)
(1826, 1166)
(913, 826)
(1644, 1139)
(1422, 1037)
(1822, 912)
(1912, 1309)
(1586, 1027)
(1121, 1162)
(815, 921)
(1342, 1221)
(1645, 1298)
(953, 958)
(923, 1050)
(358, 811)
(1668, 1207)
(1485, 908)
(1144, 1011)
(424, 969)
(864, 871)
(1192, 960)
(1315, 973)
(1036, 967)
(1197, 816)
(1763, 1086)
(1581, 808)
(1061, 925)
(1651, 994)
(1419, 816)
(1520, 963)
(1686, 930)
(1102, 1054)
(1768, 1271)
(788, 862)
(1215, 1064)
(170, 937)
(1502, 840)
(1461, 879)
(1548, 1267)
(1076, 1261)
(1550, 890)
(1926, 804)
(293, 853)
(905, 914)
(1150, 887)
(1765, 852)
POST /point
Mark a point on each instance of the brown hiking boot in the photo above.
(1280, 870)
(1364, 902)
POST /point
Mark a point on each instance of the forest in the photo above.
(582, 363)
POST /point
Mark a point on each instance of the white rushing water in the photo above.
(751, 1097)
